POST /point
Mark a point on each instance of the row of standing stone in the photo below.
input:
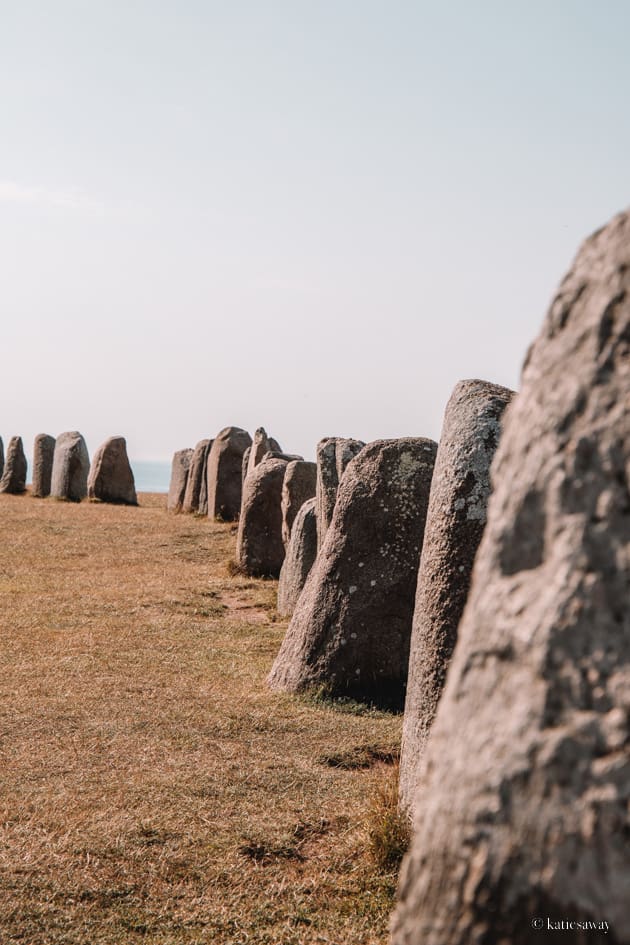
(373, 546)
(504, 611)
(62, 469)
(521, 795)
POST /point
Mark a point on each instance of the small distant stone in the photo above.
(225, 473)
(333, 455)
(43, 455)
(180, 469)
(299, 486)
(197, 473)
(300, 557)
(259, 546)
(14, 475)
(71, 465)
(111, 477)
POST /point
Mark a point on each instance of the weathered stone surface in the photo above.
(299, 485)
(455, 522)
(351, 627)
(522, 808)
(14, 473)
(111, 477)
(198, 470)
(225, 472)
(287, 457)
(71, 465)
(261, 444)
(1, 458)
(333, 455)
(259, 545)
(300, 557)
(202, 508)
(245, 465)
(43, 455)
(180, 469)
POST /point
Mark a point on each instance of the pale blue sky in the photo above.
(314, 216)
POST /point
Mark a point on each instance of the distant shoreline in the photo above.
(149, 475)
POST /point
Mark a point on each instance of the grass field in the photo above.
(151, 788)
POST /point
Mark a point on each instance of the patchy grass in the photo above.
(388, 828)
(152, 788)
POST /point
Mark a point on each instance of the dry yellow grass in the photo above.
(151, 788)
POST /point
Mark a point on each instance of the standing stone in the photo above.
(455, 522)
(351, 627)
(180, 468)
(287, 457)
(1, 458)
(300, 558)
(43, 454)
(198, 469)
(225, 469)
(14, 473)
(333, 455)
(261, 444)
(245, 465)
(111, 477)
(71, 464)
(202, 508)
(299, 485)
(522, 806)
(259, 545)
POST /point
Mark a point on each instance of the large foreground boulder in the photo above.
(259, 546)
(523, 807)
(180, 468)
(43, 455)
(351, 627)
(225, 473)
(455, 522)
(111, 477)
(300, 483)
(71, 465)
(333, 455)
(300, 557)
(14, 474)
(197, 472)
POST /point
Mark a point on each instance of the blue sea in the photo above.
(150, 475)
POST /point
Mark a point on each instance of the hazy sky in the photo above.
(315, 216)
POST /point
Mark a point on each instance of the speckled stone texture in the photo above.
(202, 507)
(300, 558)
(522, 806)
(333, 455)
(180, 469)
(455, 522)
(261, 444)
(351, 627)
(225, 473)
(111, 478)
(14, 474)
(197, 472)
(259, 545)
(43, 454)
(245, 464)
(299, 485)
(71, 465)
